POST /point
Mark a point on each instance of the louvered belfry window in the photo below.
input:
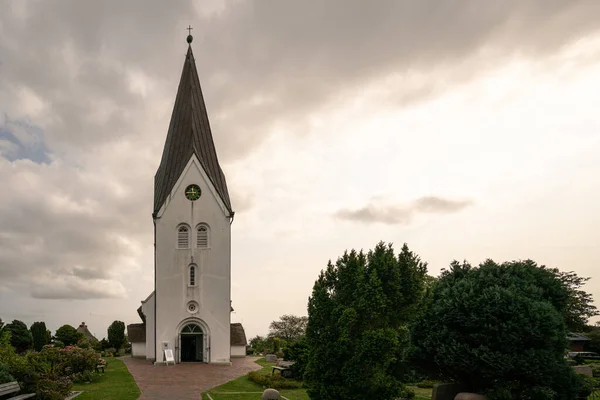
(183, 237)
(202, 237)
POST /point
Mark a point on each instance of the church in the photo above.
(189, 312)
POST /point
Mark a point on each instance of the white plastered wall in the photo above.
(212, 292)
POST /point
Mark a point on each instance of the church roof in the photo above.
(238, 335)
(136, 333)
(189, 133)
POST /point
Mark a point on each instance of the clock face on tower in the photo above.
(192, 192)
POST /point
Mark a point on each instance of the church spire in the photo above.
(189, 134)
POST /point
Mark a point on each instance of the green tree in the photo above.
(485, 327)
(261, 343)
(20, 337)
(41, 335)
(357, 323)
(116, 334)
(67, 335)
(289, 327)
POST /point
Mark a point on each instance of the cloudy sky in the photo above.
(466, 128)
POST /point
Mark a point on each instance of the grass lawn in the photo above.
(115, 383)
(243, 388)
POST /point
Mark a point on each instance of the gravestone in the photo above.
(270, 358)
(271, 394)
(583, 370)
(445, 391)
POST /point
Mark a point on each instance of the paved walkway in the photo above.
(184, 381)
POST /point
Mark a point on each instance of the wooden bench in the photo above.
(13, 387)
(284, 369)
(100, 367)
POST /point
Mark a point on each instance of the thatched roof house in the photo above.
(83, 329)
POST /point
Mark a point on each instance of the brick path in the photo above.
(184, 381)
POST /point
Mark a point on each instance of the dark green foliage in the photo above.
(356, 333)
(67, 335)
(587, 384)
(18, 366)
(20, 337)
(593, 333)
(41, 335)
(276, 344)
(298, 352)
(288, 327)
(116, 334)
(595, 369)
(497, 329)
(273, 381)
(103, 344)
(5, 375)
(427, 384)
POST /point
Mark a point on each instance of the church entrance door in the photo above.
(192, 343)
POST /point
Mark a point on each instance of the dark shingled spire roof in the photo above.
(189, 133)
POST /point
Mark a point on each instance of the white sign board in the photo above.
(169, 356)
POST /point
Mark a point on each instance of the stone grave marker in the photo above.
(271, 394)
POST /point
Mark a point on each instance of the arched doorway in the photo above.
(192, 343)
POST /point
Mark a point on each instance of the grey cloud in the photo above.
(61, 231)
(262, 65)
(376, 212)
(299, 56)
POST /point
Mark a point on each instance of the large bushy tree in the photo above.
(498, 329)
(289, 327)
(116, 334)
(40, 334)
(67, 335)
(357, 317)
(20, 337)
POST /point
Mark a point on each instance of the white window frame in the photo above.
(198, 227)
(189, 275)
(178, 236)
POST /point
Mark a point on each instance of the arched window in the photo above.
(192, 280)
(192, 328)
(183, 237)
(202, 236)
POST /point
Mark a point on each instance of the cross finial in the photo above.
(190, 37)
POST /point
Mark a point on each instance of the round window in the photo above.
(192, 307)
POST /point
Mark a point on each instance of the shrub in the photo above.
(80, 360)
(595, 369)
(67, 335)
(407, 393)
(83, 377)
(427, 384)
(490, 324)
(5, 375)
(273, 381)
(298, 352)
(276, 345)
(53, 387)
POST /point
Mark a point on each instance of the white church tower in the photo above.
(189, 311)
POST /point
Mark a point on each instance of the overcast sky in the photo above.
(467, 128)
